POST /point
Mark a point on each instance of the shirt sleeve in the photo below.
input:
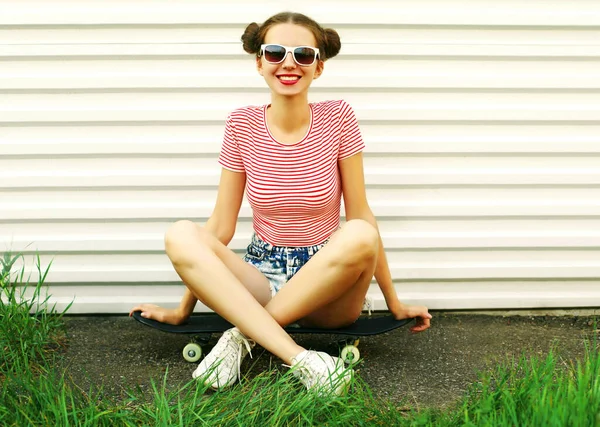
(351, 141)
(230, 156)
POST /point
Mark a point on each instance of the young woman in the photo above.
(295, 160)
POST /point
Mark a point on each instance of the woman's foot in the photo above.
(171, 316)
(221, 367)
(319, 372)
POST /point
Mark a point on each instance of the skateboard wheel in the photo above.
(350, 354)
(192, 352)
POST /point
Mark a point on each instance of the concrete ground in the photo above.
(431, 369)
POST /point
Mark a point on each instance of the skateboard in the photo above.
(204, 325)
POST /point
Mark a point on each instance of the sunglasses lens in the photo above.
(274, 53)
(304, 55)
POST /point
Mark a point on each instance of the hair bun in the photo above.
(332, 43)
(250, 38)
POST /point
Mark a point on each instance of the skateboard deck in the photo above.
(206, 324)
(213, 323)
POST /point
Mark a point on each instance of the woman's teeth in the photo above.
(288, 78)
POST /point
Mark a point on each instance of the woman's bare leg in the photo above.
(330, 288)
(327, 292)
(214, 274)
(252, 279)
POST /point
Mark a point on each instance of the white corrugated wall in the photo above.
(481, 119)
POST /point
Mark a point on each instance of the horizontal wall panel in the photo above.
(426, 12)
(127, 241)
(38, 140)
(143, 237)
(241, 74)
(393, 107)
(389, 171)
(402, 35)
(120, 298)
(365, 50)
(153, 208)
(404, 266)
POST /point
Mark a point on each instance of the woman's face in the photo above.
(288, 78)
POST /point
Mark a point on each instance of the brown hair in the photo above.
(328, 40)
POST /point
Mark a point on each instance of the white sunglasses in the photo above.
(276, 54)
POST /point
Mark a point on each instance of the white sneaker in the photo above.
(368, 304)
(321, 372)
(221, 367)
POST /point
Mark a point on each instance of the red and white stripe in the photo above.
(294, 189)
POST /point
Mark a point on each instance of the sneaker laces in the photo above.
(303, 372)
(307, 370)
(232, 346)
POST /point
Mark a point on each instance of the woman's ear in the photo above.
(319, 69)
(259, 65)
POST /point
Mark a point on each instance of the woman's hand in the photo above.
(171, 316)
(404, 311)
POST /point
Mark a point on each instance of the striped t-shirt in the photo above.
(294, 189)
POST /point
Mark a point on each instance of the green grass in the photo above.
(519, 392)
(25, 339)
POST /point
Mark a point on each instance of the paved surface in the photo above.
(433, 368)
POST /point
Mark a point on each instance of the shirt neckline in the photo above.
(310, 125)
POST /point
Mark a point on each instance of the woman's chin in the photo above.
(280, 89)
(289, 92)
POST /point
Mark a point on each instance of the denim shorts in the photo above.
(278, 263)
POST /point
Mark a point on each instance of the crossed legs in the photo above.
(328, 291)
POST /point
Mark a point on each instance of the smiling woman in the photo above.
(295, 160)
(290, 70)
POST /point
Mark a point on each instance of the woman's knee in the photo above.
(363, 238)
(179, 238)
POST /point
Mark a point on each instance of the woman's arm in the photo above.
(221, 224)
(357, 207)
